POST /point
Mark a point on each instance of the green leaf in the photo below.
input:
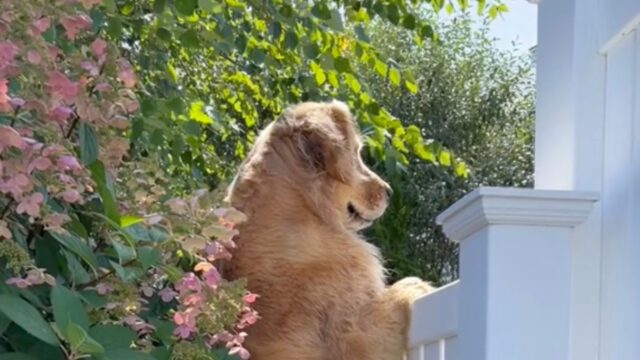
(353, 83)
(342, 64)
(105, 188)
(149, 257)
(28, 318)
(172, 272)
(77, 273)
(16, 356)
(189, 39)
(290, 40)
(480, 6)
(125, 354)
(80, 341)
(128, 220)
(332, 76)
(88, 144)
(321, 10)
(394, 76)
(410, 82)
(444, 158)
(185, 7)
(461, 170)
(159, 6)
(196, 112)
(163, 34)
(409, 22)
(209, 6)
(318, 73)
(381, 68)
(113, 336)
(67, 308)
(125, 253)
(126, 274)
(76, 246)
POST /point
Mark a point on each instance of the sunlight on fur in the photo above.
(306, 193)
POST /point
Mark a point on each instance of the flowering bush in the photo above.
(103, 258)
(114, 113)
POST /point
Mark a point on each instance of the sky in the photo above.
(519, 25)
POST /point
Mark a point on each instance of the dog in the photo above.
(306, 193)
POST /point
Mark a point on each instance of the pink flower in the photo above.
(18, 282)
(38, 277)
(55, 220)
(30, 205)
(186, 324)
(4, 97)
(214, 251)
(126, 74)
(4, 230)
(249, 298)
(189, 282)
(68, 162)
(40, 163)
(39, 26)
(90, 67)
(17, 102)
(61, 87)
(9, 137)
(15, 185)
(102, 87)
(99, 48)
(103, 289)
(240, 351)
(212, 277)
(74, 24)
(167, 294)
(146, 290)
(70, 196)
(8, 52)
(193, 300)
(60, 114)
(178, 206)
(34, 57)
(248, 318)
(138, 325)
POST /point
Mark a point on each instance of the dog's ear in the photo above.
(319, 133)
(314, 148)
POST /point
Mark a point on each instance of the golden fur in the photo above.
(306, 193)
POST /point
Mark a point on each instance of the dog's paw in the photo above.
(411, 288)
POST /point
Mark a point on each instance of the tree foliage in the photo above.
(116, 119)
(479, 102)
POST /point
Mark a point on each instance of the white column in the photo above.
(515, 271)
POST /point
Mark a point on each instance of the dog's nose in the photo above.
(389, 191)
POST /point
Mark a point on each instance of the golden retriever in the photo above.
(306, 193)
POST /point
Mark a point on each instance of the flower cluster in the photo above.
(80, 209)
(215, 310)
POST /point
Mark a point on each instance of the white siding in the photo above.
(434, 325)
(621, 204)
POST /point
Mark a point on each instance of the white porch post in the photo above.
(515, 275)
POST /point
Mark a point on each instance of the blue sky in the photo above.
(518, 25)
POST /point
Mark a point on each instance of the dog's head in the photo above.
(310, 157)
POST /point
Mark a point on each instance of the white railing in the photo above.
(512, 301)
(435, 339)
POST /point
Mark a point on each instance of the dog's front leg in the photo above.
(385, 323)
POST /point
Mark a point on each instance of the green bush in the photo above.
(478, 101)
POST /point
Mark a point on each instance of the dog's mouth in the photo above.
(356, 217)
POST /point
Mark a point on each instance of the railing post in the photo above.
(515, 271)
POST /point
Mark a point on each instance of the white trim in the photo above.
(619, 37)
(511, 206)
(439, 310)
